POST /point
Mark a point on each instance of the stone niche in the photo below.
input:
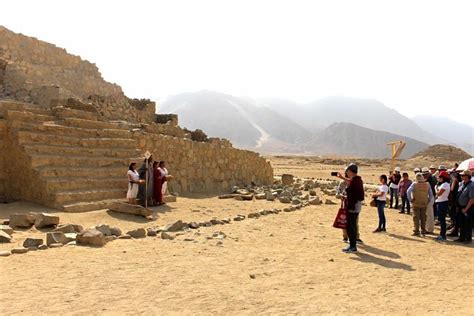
(170, 119)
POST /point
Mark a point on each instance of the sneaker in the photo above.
(416, 234)
(429, 233)
(349, 250)
(383, 230)
(440, 238)
(378, 230)
(359, 241)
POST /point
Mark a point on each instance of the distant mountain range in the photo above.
(336, 125)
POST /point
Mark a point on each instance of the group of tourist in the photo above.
(149, 181)
(435, 194)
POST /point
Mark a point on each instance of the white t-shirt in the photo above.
(384, 189)
(445, 196)
(133, 175)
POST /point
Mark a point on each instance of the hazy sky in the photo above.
(415, 56)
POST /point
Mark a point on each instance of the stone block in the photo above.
(44, 220)
(7, 229)
(4, 237)
(22, 220)
(91, 237)
(32, 242)
(55, 238)
(131, 209)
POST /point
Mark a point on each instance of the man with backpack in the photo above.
(420, 194)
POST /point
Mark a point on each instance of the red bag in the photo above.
(341, 217)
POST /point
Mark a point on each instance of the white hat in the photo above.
(425, 170)
(417, 170)
(397, 169)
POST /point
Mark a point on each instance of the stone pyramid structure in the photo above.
(67, 136)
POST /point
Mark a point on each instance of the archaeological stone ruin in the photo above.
(67, 135)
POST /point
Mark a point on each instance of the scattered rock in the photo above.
(115, 231)
(4, 237)
(247, 197)
(125, 236)
(216, 222)
(32, 242)
(260, 196)
(66, 228)
(228, 196)
(42, 247)
(188, 239)
(269, 196)
(175, 227)
(35, 248)
(315, 201)
(7, 229)
(252, 276)
(287, 179)
(91, 237)
(329, 202)
(137, 233)
(219, 235)
(19, 250)
(226, 220)
(312, 192)
(284, 199)
(166, 236)
(44, 220)
(253, 215)
(295, 201)
(151, 232)
(239, 218)
(104, 229)
(70, 237)
(239, 198)
(5, 253)
(169, 198)
(22, 220)
(56, 245)
(55, 238)
(5, 222)
(193, 225)
(110, 238)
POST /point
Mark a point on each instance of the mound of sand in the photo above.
(440, 154)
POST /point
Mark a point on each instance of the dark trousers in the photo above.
(381, 212)
(453, 207)
(352, 229)
(405, 204)
(466, 224)
(393, 193)
(442, 210)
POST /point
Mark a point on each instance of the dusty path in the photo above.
(277, 264)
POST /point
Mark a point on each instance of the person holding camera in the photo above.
(355, 196)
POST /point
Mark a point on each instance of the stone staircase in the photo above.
(78, 160)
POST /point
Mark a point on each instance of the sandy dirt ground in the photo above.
(287, 263)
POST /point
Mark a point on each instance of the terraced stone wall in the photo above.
(3, 157)
(205, 166)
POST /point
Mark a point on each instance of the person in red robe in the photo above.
(160, 178)
(157, 184)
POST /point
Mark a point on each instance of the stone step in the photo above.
(58, 128)
(77, 161)
(62, 112)
(77, 122)
(21, 107)
(82, 151)
(63, 172)
(28, 116)
(77, 183)
(90, 206)
(30, 137)
(77, 196)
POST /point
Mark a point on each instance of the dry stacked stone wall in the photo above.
(3, 156)
(205, 166)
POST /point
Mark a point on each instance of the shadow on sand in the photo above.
(417, 239)
(379, 252)
(390, 264)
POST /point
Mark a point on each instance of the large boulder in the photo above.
(287, 179)
(55, 238)
(32, 242)
(22, 220)
(44, 220)
(269, 196)
(284, 199)
(115, 231)
(104, 229)
(315, 201)
(4, 237)
(91, 237)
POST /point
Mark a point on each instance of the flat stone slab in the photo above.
(126, 208)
